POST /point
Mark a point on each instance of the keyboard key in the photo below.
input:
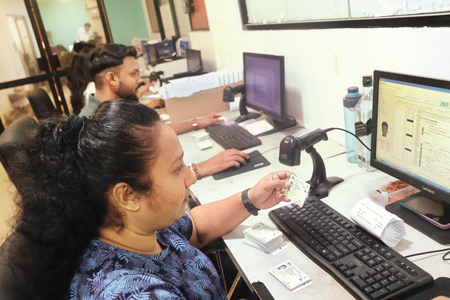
(379, 294)
(395, 286)
(359, 282)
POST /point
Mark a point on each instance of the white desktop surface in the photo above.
(254, 264)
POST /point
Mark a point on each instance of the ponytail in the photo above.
(56, 218)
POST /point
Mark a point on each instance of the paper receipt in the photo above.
(378, 221)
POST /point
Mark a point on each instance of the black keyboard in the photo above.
(232, 136)
(360, 262)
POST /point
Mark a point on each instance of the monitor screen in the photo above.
(165, 49)
(264, 84)
(411, 131)
(194, 60)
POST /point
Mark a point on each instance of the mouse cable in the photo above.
(267, 150)
(444, 257)
(329, 129)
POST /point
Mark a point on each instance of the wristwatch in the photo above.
(195, 124)
(248, 205)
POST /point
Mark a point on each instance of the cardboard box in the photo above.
(197, 105)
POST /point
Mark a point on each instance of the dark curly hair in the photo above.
(78, 77)
(74, 163)
(107, 56)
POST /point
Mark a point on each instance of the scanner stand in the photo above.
(320, 183)
(245, 115)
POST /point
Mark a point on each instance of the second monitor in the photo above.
(264, 89)
(194, 64)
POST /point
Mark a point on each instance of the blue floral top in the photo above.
(180, 271)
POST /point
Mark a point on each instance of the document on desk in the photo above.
(378, 221)
(185, 87)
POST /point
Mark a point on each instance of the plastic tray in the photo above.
(373, 191)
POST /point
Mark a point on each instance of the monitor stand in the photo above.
(287, 122)
(430, 230)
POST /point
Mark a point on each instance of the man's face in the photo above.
(384, 130)
(129, 79)
(87, 28)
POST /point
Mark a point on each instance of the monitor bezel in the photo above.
(280, 60)
(189, 53)
(426, 189)
(153, 55)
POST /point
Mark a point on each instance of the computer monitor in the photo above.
(152, 55)
(149, 53)
(166, 49)
(411, 137)
(194, 60)
(264, 88)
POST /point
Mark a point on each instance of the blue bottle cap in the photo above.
(352, 97)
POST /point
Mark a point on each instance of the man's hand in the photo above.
(157, 103)
(144, 90)
(222, 161)
(211, 118)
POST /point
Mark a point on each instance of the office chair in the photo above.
(12, 284)
(41, 104)
(11, 151)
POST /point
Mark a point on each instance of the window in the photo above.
(307, 14)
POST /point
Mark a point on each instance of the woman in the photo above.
(103, 210)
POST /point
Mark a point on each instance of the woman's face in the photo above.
(171, 180)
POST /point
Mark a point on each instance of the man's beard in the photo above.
(124, 92)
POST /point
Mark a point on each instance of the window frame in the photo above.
(425, 20)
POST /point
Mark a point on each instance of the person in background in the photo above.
(78, 77)
(82, 34)
(114, 71)
(103, 210)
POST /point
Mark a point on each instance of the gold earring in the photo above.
(133, 205)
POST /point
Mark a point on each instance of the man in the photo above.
(83, 33)
(384, 129)
(114, 71)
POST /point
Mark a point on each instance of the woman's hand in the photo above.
(223, 160)
(269, 191)
(211, 118)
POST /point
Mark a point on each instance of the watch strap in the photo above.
(248, 205)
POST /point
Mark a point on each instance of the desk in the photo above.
(254, 264)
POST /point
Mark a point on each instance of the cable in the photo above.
(433, 251)
(329, 129)
(267, 150)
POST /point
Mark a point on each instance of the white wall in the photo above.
(202, 40)
(321, 64)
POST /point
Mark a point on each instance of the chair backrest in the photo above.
(11, 151)
(12, 276)
(41, 104)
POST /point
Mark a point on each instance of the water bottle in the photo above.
(363, 112)
(350, 101)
